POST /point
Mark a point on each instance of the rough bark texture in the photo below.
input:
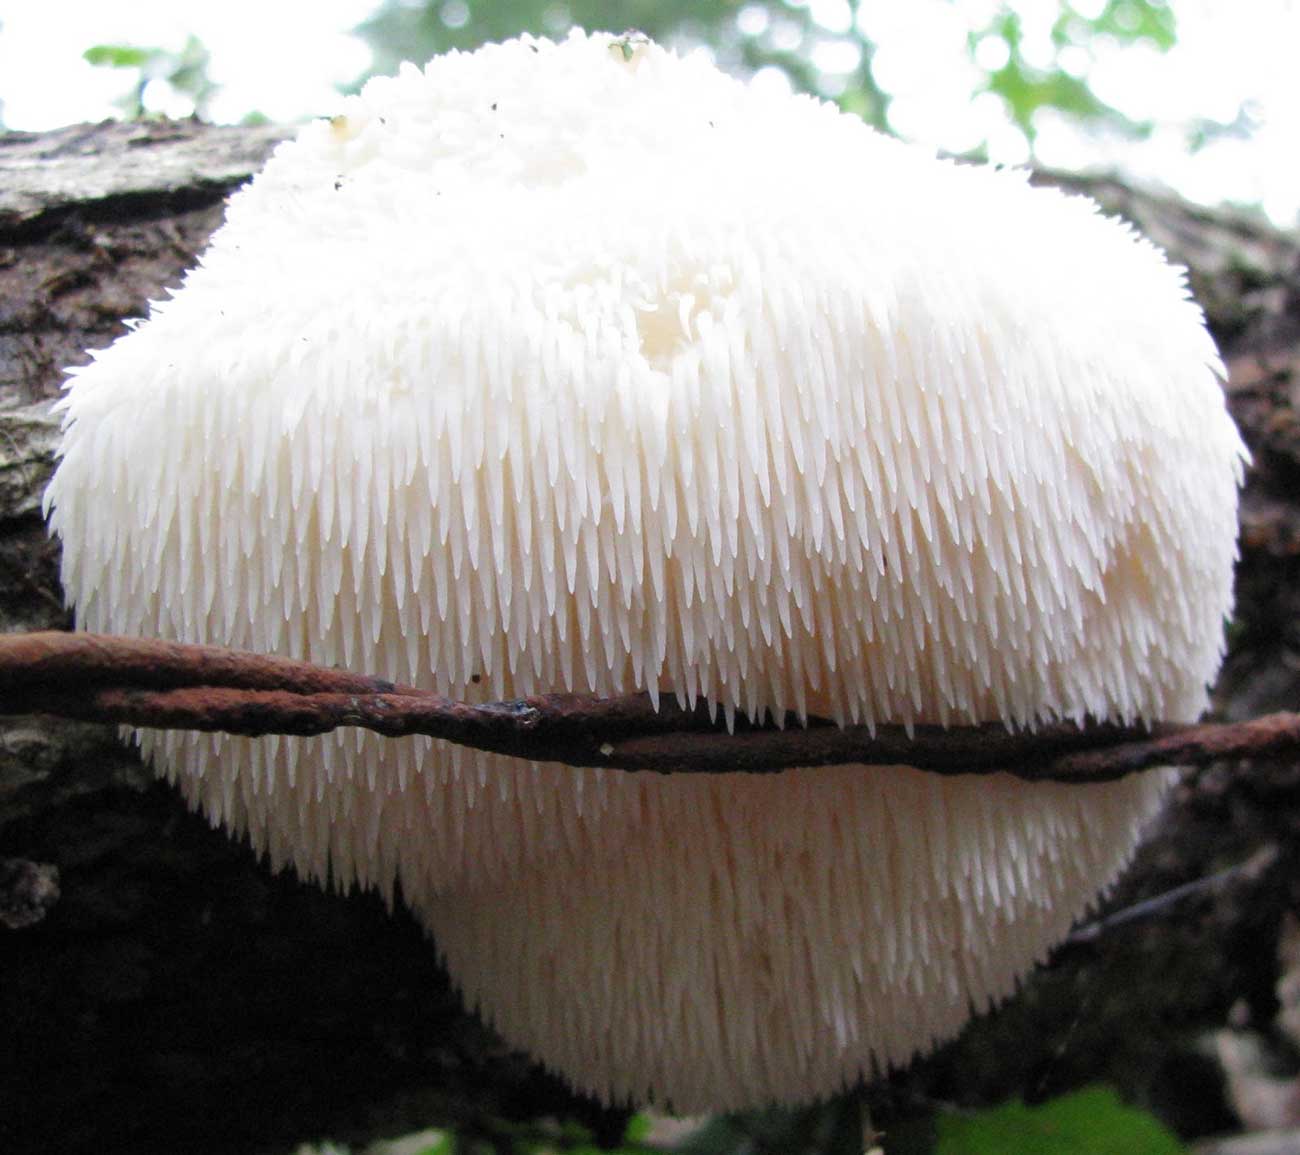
(160, 990)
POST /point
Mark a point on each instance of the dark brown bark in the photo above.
(163, 991)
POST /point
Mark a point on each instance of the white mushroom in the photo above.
(564, 367)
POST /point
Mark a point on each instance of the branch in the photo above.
(1251, 870)
(171, 686)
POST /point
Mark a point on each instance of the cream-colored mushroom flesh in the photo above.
(586, 367)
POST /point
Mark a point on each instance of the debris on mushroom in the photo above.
(586, 367)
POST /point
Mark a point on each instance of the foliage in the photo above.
(1093, 1121)
(758, 34)
(1025, 88)
(184, 72)
(791, 35)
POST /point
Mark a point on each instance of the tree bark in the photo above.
(162, 990)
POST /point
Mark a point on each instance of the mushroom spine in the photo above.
(584, 367)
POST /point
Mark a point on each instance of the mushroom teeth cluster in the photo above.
(584, 367)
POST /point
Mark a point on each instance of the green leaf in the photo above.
(1094, 1121)
(119, 56)
(1131, 20)
(638, 1128)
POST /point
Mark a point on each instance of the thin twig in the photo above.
(1251, 870)
(170, 686)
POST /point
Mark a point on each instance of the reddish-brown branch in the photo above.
(166, 685)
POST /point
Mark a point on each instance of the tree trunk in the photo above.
(161, 990)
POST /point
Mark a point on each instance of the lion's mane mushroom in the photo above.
(586, 367)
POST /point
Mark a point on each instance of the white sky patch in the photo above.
(285, 59)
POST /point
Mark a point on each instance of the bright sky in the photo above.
(284, 58)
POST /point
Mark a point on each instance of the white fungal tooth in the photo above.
(839, 437)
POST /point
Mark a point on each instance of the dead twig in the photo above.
(167, 685)
(1250, 871)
